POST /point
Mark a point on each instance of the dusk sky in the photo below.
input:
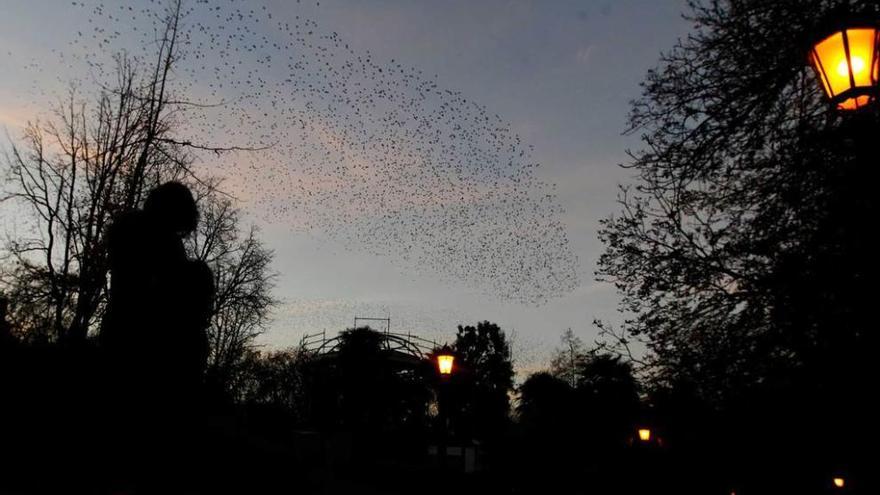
(559, 73)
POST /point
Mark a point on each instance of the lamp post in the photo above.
(846, 60)
(647, 458)
(445, 365)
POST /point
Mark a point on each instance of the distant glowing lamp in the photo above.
(839, 482)
(444, 363)
(848, 65)
(644, 434)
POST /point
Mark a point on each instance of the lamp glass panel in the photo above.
(832, 55)
(854, 103)
(445, 364)
(821, 74)
(861, 54)
(876, 56)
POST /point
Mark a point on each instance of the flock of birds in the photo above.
(371, 153)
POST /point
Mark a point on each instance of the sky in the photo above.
(559, 73)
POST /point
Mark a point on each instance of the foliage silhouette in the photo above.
(481, 386)
(565, 359)
(243, 281)
(544, 400)
(361, 386)
(743, 252)
(577, 436)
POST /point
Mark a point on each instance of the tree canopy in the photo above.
(747, 187)
(485, 379)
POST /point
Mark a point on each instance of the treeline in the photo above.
(361, 388)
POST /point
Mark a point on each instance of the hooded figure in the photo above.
(160, 302)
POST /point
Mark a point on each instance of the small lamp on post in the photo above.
(847, 62)
(646, 436)
(445, 362)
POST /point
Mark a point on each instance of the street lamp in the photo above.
(444, 363)
(847, 63)
(645, 434)
(445, 360)
(846, 60)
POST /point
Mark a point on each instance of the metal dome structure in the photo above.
(407, 349)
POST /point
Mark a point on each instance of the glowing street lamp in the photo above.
(445, 360)
(838, 482)
(847, 63)
(444, 363)
(644, 434)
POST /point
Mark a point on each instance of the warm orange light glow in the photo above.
(848, 66)
(839, 482)
(644, 434)
(858, 66)
(444, 363)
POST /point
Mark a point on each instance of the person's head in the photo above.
(173, 206)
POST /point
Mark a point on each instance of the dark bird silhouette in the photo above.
(374, 154)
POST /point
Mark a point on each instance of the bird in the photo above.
(340, 144)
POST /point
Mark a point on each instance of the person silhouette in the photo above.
(145, 248)
(154, 330)
(160, 301)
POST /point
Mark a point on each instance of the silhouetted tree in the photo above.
(29, 320)
(75, 173)
(483, 382)
(243, 281)
(746, 177)
(546, 452)
(744, 252)
(70, 178)
(565, 359)
(570, 436)
(545, 401)
(273, 381)
(7, 338)
(609, 395)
